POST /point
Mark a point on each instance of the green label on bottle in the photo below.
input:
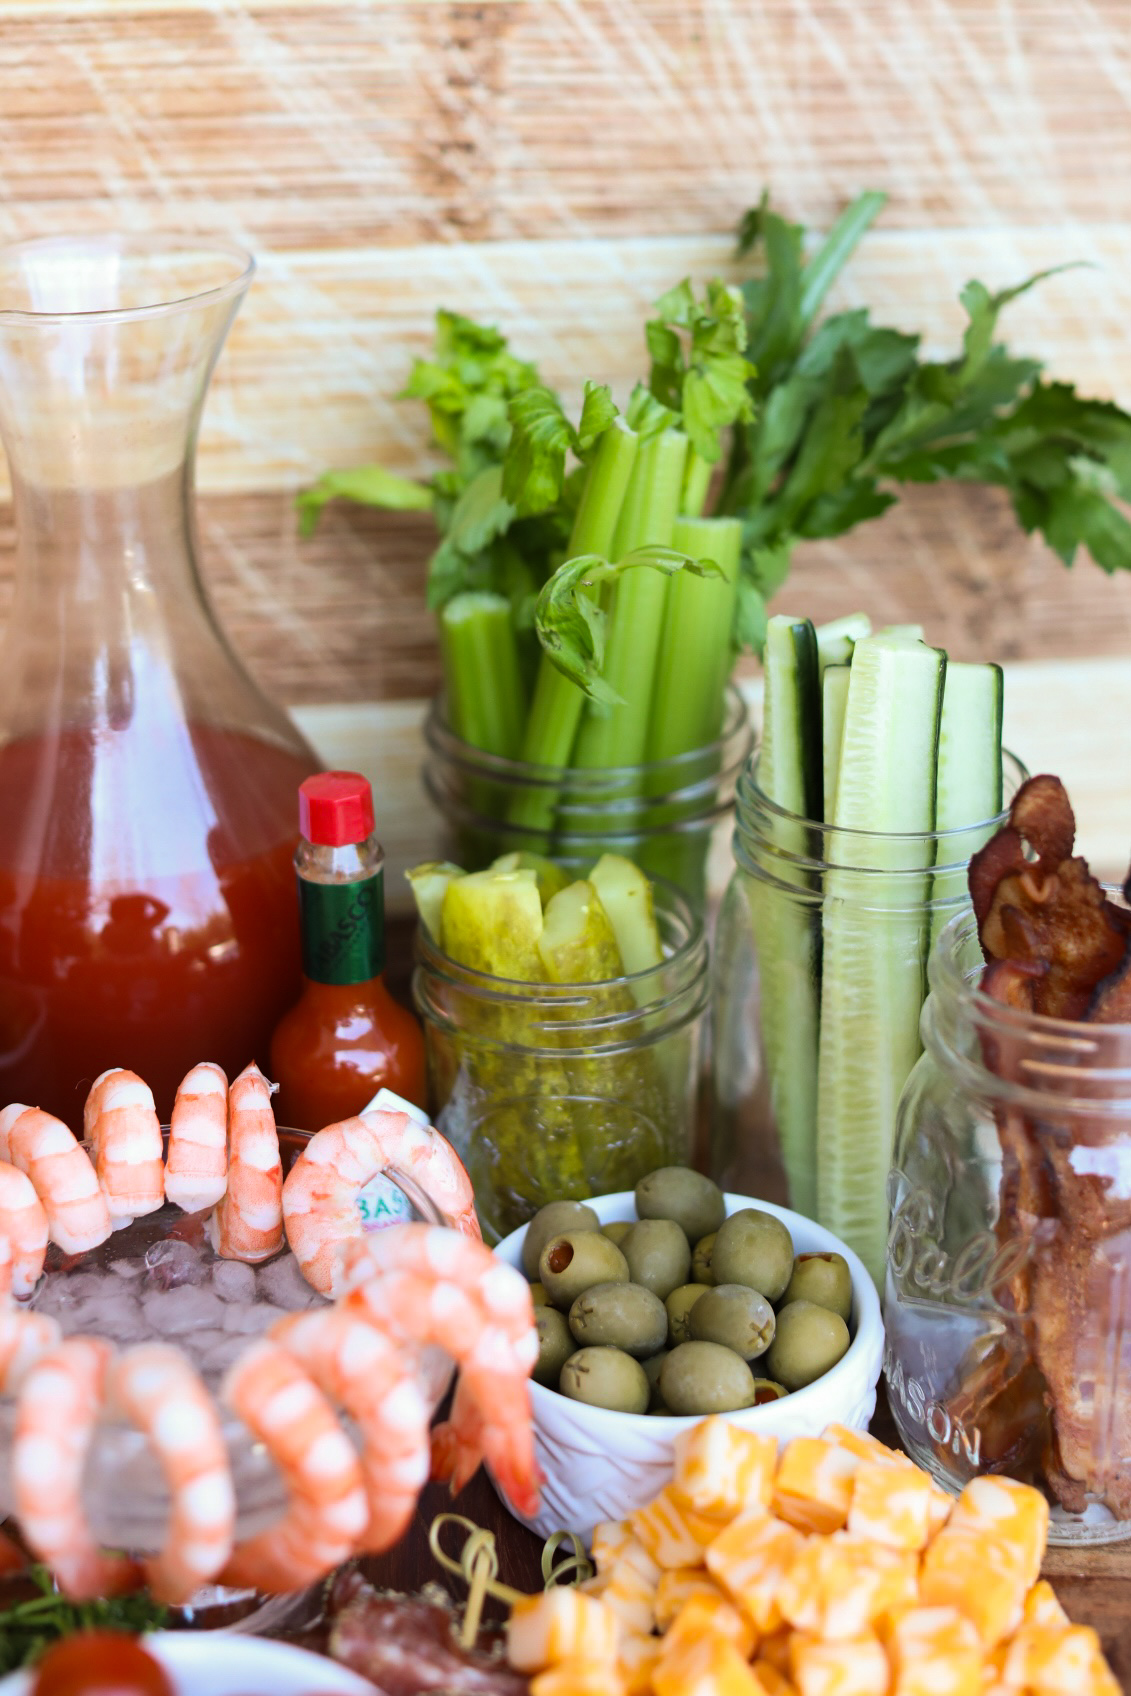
(343, 930)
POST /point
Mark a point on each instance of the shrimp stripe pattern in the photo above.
(24, 1337)
(123, 1135)
(374, 1380)
(247, 1222)
(328, 1511)
(23, 1224)
(320, 1195)
(196, 1171)
(58, 1408)
(61, 1175)
(155, 1387)
(422, 1284)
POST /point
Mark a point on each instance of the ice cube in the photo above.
(251, 1321)
(173, 1263)
(174, 1312)
(127, 1269)
(118, 1317)
(233, 1280)
(198, 1343)
(221, 1355)
(282, 1282)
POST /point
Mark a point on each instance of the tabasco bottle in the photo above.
(345, 1038)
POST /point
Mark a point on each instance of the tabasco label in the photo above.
(343, 930)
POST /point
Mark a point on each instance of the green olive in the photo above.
(701, 1272)
(676, 1192)
(679, 1305)
(606, 1377)
(824, 1279)
(735, 1316)
(555, 1345)
(652, 1370)
(765, 1390)
(551, 1221)
(705, 1378)
(575, 1262)
(753, 1248)
(658, 1255)
(621, 1316)
(809, 1340)
(617, 1230)
(538, 1295)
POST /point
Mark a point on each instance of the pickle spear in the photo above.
(626, 896)
(577, 944)
(428, 883)
(491, 922)
(551, 878)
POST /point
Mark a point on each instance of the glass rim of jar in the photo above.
(1057, 1052)
(598, 781)
(126, 243)
(751, 800)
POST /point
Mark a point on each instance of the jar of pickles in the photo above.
(1008, 1283)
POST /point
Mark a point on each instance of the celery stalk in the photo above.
(696, 484)
(696, 650)
(485, 698)
(617, 736)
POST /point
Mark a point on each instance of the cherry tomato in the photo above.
(100, 1663)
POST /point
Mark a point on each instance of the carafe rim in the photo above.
(142, 246)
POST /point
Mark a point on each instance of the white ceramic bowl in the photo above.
(602, 1465)
(219, 1663)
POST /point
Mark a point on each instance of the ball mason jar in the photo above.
(664, 815)
(819, 976)
(559, 1091)
(1008, 1288)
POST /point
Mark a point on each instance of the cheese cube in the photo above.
(864, 1446)
(837, 1586)
(775, 1649)
(560, 1624)
(664, 1531)
(636, 1658)
(1014, 1515)
(891, 1505)
(771, 1682)
(704, 1615)
(614, 1541)
(578, 1678)
(853, 1667)
(813, 1484)
(630, 1596)
(1055, 1660)
(750, 1559)
(977, 1576)
(676, 1588)
(721, 1470)
(711, 1666)
(1042, 1606)
(935, 1652)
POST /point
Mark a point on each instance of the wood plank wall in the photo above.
(551, 165)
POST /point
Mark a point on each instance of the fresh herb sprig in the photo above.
(28, 1628)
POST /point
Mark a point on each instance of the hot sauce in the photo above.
(346, 1037)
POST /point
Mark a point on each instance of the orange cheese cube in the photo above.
(614, 1541)
(935, 1652)
(677, 1588)
(578, 1678)
(891, 1505)
(940, 1506)
(853, 1667)
(771, 1681)
(1055, 1660)
(750, 1559)
(978, 1577)
(710, 1666)
(837, 1586)
(813, 1484)
(704, 1615)
(560, 1624)
(775, 1649)
(864, 1446)
(1014, 1515)
(636, 1658)
(1042, 1606)
(630, 1595)
(721, 1470)
(664, 1531)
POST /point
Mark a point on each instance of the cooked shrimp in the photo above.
(422, 1284)
(247, 1223)
(123, 1136)
(23, 1223)
(155, 1387)
(373, 1378)
(59, 1405)
(322, 1187)
(196, 1172)
(61, 1176)
(24, 1336)
(286, 1412)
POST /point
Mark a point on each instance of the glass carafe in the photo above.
(148, 912)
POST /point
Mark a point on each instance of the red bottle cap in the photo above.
(335, 807)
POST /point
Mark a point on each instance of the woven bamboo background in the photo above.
(551, 165)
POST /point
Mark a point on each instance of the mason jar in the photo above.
(559, 1091)
(1008, 1287)
(820, 973)
(663, 815)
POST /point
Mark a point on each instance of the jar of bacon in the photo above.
(1008, 1279)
